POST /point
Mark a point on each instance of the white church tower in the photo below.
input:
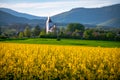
(49, 25)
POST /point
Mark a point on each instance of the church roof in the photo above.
(49, 19)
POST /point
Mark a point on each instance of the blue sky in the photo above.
(52, 7)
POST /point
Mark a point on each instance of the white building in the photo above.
(49, 25)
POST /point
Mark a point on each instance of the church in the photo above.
(50, 26)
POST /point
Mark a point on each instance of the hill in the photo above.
(91, 16)
(112, 22)
(107, 16)
(6, 19)
(18, 14)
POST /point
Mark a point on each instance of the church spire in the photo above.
(49, 25)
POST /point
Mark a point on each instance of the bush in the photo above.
(3, 37)
(58, 39)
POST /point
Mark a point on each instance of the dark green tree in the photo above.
(77, 34)
(42, 33)
(36, 31)
(88, 34)
(21, 35)
(110, 35)
(0, 30)
(75, 26)
(27, 32)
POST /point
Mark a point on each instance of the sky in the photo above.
(52, 7)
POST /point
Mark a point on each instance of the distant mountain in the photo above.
(112, 22)
(91, 16)
(18, 14)
(6, 19)
(108, 16)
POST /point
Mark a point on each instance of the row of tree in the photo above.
(78, 31)
(73, 30)
(28, 33)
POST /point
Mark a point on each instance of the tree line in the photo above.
(73, 30)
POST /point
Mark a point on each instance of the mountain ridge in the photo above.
(89, 15)
(20, 14)
(6, 19)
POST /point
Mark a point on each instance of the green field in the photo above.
(94, 43)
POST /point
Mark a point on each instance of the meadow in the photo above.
(58, 62)
(75, 42)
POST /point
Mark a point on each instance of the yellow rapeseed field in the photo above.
(53, 62)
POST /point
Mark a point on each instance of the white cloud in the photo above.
(54, 4)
